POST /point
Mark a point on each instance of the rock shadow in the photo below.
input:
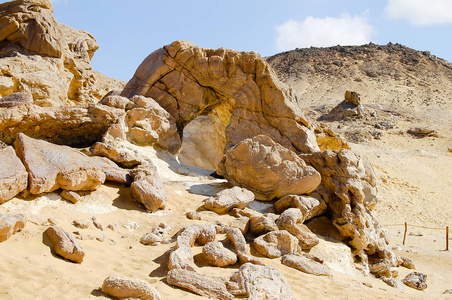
(208, 189)
(125, 200)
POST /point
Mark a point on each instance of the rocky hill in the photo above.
(387, 74)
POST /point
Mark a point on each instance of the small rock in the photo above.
(419, 233)
(291, 220)
(407, 263)
(122, 287)
(306, 263)
(395, 283)
(217, 255)
(101, 238)
(227, 199)
(193, 215)
(10, 224)
(64, 244)
(262, 224)
(148, 189)
(130, 226)
(421, 132)
(82, 224)
(111, 227)
(276, 243)
(447, 292)
(97, 224)
(71, 196)
(156, 236)
(416, 280)
(241, 224)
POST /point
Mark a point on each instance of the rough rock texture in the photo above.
(78, 126)
(416, 280)
(117, 152)
(309, 207)
(306, 263)
(262, 224)
(13, 175)
(227, 199)
(241, 223)
(406, 262)
(267, 169)
(349, 108)
(46, 58)
(276, 243)
(349, 189)
(203, 285)
(10, 224)
(112, 171)
(122, 288)
(189, 81)
(204, 141)
(16, 99)
(292, 221)
(239, 242)
(156, 236)
(147, 188)
(51, 167)
(260, 283)
(182, 257)
(217, 255)
(64, 244)
(71, 196)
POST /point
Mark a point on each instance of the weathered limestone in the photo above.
(203, 285)
(13, 175)
(405, 262)
(47, 59)
(182, 257)
(262, 224)
(310, 207)
(189, 81)
(217, 255)
(267, 169)
(64, 244)
(238, 240)
(349, 189)
(276, 243)
(10, 224)
(78, 126)
(51, 167)
(349, 108)
(71, 196)
(227, 199)
(259, 283)
(156, 236)
(416, 280)
(112, 171)
(123, 287)
(292, 220)
(147, 188)
(241, 223)
(16, 99)
(306, 263)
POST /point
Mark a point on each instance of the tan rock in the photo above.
(182, 257)
(53, 166)
(309, 207)
(189, 81)
(306, 263)
(64, 244)
(117, 102)
(217, 255)
(78, 126)
(203, 285)
(116, 152)
(349, 189)
(204, 141)
(267, 169)
(10, 224)
(147, 188)
(276, 243)
(71, 196)
(260, 282)
(113, 172)
(156, 236)
(123, 287)
(13, 175)
(227, 199)
(241, 223)
(292, 220)
(263, 224)
(193, 215)
(238, 241)
(416, 280)
(16, 99)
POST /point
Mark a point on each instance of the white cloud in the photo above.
(421, 12)
(324, 32)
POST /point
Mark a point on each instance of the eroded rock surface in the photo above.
(260, 283)
(276, 243)
(306, 263)
(217, 255)
(64, 244)
(227, 199)
(267, 169)
(292, 220)
(416, 280)
(126, 288)
(309, 207)
(147, 188)
(10, 224)
(189, 81)
(13, 175)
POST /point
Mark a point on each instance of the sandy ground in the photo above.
(415, 181)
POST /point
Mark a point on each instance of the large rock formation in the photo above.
(13, 175)
(267, 169)
(189, 81)
(46, 58)
(51, 167)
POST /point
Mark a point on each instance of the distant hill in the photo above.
(389, 75)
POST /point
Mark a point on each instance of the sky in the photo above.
(128, 31)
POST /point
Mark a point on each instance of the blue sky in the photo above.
(128, 31)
